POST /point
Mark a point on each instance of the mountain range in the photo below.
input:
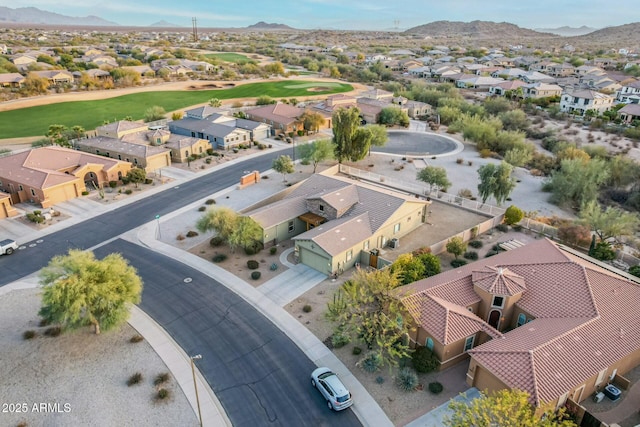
(33, 15)
(475, 29)
(567, 31)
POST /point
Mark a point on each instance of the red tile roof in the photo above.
(498, 281)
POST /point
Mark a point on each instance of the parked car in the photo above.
(331, 388)
(8, 246)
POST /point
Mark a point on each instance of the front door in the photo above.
(494, 318)
(373, 259)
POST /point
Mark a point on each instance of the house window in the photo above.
(20, 187)
(498, 301)
(158, 141)
(321, 207)
(349, 254)
(396, 228)
(193, 134)
(119, 157)
(468, 343)
(521, 319)
(33, 192)
(365, 246)
(97, 151)
(108, 155)
(291, 226)
(429, 343)
(135, 161)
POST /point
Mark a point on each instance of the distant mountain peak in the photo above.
(33, 15)
(568, 31)
(165, 24)
(474, 29)
(269, 26)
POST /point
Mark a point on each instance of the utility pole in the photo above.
(194, 24)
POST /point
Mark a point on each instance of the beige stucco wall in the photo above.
(6, 209)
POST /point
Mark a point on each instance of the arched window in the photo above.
(429, 344)
(521, 319)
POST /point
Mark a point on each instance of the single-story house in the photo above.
(55, 77)
(283, 118)
(336, 223)
(630, 112)
(541, 90)
(50, 175)
(507, 86)
(11, 80)
(542, 318)
(121, 128)
(182, 147)
(218, 135)
(148, 157)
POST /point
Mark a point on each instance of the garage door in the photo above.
(314, 260)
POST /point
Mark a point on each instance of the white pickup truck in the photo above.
(7, 247)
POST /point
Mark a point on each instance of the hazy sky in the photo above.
(347, 14)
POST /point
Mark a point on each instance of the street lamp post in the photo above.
(158, 223)
(195, 386)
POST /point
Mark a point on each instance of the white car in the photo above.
(330, 386)
(7, 247)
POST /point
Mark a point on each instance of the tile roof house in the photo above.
(630, 112)
(11, 79)
(541, 318)
(629, 93)
(283, 118)
(541, 90)
(51, 175)
(580, 101)
(6, 207)
(148, 157)
(507, 86)
(336, 222)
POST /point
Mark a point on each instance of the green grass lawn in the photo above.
(35, 121)
(228, 57)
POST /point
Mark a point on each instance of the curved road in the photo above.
(260, 376)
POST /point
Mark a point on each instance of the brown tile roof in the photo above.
(11, 78)
(341, 198)
(179, 141)
(498, 281)
(39, 168)
(279, 113)
(122, 126)
(586, 318)
(120, 146)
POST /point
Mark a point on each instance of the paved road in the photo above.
(259, 375)
(107, 226)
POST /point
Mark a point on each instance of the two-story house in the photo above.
(578, 102)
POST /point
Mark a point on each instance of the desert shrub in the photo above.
(252, 264)
(216, 241)
(407, 380)
(435, 387)
(502, 227)
(249, 251)
(128, 191)
(210, 202)
(424, 360)
(85, 193)
(458, 263)
(459, 160)
(202, 208)
(192, 233)
(163, 394)
(255, 275)
(36, 217)
(180, 237)
(53, 331)
(513, 215)
(485, 153)
(356, 351)
(379, 380)
(471, 255)
(136, 338)
(371, 362)
(113, 184)
(465, 193)
(27, 335)
(134, 379)
(219, 257)
(339, 339)
(476, 244)
(43, 322)
(635, 270)
(273, 267)
(148, 181)
(161, 378)
(307, 308)
(273, 250)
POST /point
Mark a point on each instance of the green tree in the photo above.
(221, 220)
(504, 408)
(513, 215)
(635, 270)
(496, 105)
(496, 181)
(311, 121)
(609, 222)
(435, 176)
(246, 234)
(408, 268)
(56, 135)
(603, 251)
(137, 175)
(215, 102)
(79, 290)
(370, 311)
(514, 119)
(456, 246)
(431, 264)
(518, 157)
(154, 113)
(284, 165)
(393, 115)
(576, 183)
(379, 135)
(316, 152)
(345, 122)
